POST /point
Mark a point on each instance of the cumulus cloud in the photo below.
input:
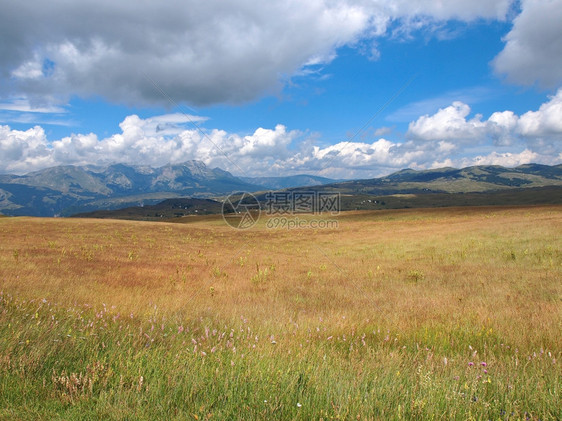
(501, 127)
(196, 52)
(449, 123)
(504, 128)
(545, 122)
(533, 51)
(153, 141)
(23, 151)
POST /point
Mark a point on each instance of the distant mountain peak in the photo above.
(69, 189)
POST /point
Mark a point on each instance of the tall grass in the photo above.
(449, 314)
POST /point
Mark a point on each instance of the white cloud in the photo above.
(168, 124)
(449, 123)
(504, 128)
(506, 159)
(197, 52)
(31, 69)
(24, 151)
(22, 110)
(144, 141)
(449, 137)
(533, 51)
(266, 151)
(267, 143)
(23, 105)
(545, 122)
(353, 159)
(501, 127)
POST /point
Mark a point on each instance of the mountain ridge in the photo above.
(62, 190)
(473, 179)
(67, 190)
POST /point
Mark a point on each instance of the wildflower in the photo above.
(299, 405)
(470, 364)
(483, 364)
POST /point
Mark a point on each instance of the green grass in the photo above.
(82, 363)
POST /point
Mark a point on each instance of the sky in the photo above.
(335, 88)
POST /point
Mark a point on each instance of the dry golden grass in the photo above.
(438, 278)
(498, 267)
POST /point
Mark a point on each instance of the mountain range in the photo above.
(481, 178)
(67, 190)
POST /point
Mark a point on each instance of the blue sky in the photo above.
(342, 89)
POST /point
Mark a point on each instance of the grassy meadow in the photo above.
(408, 314)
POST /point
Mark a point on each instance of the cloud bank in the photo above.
(450, 137)
(533, 51)
(207, 52)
